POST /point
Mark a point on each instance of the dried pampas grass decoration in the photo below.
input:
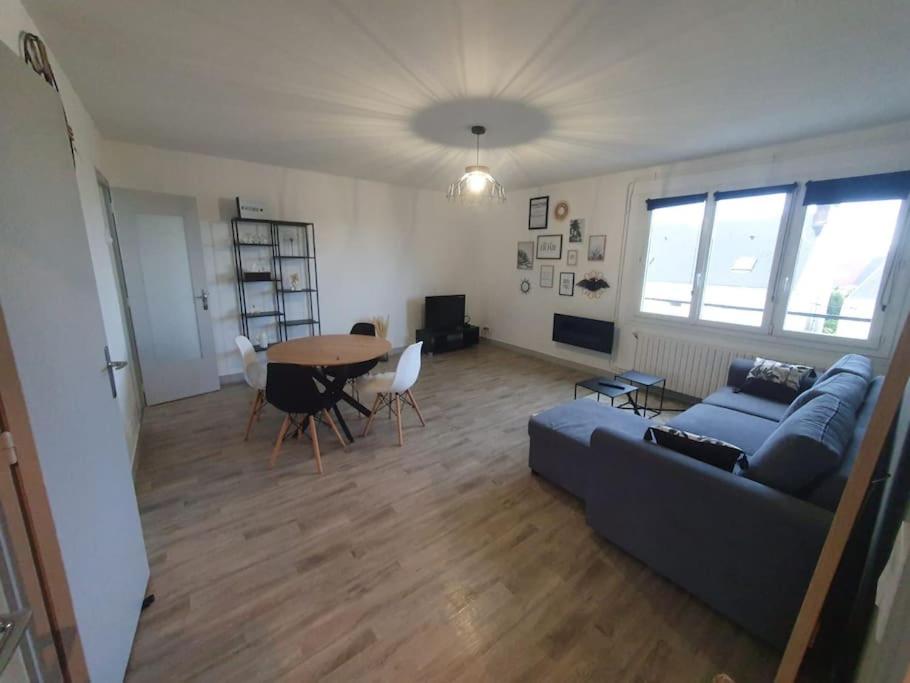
(381, 323)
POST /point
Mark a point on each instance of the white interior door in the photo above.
(49, 302)
(161, 248)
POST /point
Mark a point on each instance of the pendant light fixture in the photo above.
(476, 185)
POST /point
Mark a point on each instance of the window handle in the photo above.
(885, 296)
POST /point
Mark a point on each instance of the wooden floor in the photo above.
(443, 560)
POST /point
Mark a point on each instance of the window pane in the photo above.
(839, 267)
(670, 265)
(740, 258)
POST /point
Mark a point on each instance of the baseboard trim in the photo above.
(540, 355)
(670, 394)
(233, 378)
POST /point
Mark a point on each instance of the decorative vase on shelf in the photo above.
(264, 339)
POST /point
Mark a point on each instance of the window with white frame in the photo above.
(718, 260)
(847, 237)
(741, 248)
(676, 224)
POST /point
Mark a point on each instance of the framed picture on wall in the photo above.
(525, 255)
(549, 247)
(567, 284)
(577, 230)
(597, 247)
(572, 257)
(546, 277)
(538, 212)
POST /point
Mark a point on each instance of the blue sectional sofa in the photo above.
(745, 542)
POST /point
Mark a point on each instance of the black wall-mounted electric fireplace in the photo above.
(584, 332)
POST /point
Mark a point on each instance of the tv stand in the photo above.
(436, 341)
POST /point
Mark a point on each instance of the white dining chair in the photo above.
(395, 387)
(254, 374)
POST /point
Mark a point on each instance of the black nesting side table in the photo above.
(612, 389)
(645, 381)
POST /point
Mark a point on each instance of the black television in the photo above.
(444, 312)
(584, 332)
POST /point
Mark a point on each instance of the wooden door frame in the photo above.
(851, 501)
(41, 544)
(110, 221)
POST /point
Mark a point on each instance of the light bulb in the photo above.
(476, 182)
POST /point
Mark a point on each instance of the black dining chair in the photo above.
(292, 390)
(354, 370)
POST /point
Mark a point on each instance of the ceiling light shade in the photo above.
(477, 185)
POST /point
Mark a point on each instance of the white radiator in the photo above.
(690, 368)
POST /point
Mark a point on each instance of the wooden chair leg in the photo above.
(366, 427)
(300, 428)
(398, 416)
(315, 439)
(331, 423)
(416, 408)
(278, 442)
(254, 412)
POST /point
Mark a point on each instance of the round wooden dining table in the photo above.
(326, 350)
(331, 350)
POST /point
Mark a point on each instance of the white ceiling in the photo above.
(387, 89)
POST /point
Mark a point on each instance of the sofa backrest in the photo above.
(739, 369)
(827, 491)
(854, 364)
(807, 445)
(846, 386)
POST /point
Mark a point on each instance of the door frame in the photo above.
(104, 187)
(196, 376)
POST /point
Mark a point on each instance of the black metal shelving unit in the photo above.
(290, 247)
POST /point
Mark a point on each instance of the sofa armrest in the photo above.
(739, 369)
(745, 549)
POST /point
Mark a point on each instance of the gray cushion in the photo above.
(805, 446)
(852, 363)
(846, 386)
(827, 492)
(728, 397)
(561, 435)
(744, 431)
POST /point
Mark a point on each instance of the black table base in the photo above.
(335, 387)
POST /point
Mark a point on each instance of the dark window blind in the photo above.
(754, 191)
(858, 188)
(664, 202)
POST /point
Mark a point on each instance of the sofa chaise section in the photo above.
(561, 438)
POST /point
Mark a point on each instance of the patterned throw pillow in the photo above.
(778, 381)
(708, 450)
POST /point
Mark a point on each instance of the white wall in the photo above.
(526, 320)
(381, 248)
(13, 20)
